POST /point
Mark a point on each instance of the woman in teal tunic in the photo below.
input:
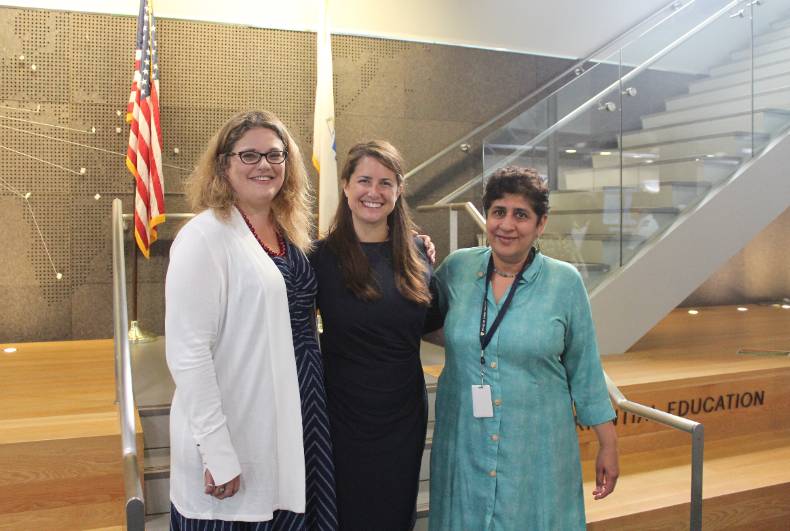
(505, 452)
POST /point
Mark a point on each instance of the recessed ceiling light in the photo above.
(743, 309)
(604, 153)
(693, 312)
(570, 151)
(9, 350)
(786, 306)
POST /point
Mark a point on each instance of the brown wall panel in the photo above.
(68, 111)
(68, 114)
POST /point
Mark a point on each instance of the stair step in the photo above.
(157, 522)
(729, 92)
(728, 404)
(746, 485)
(765, 121)
(775, 56)
(603, 221)
(153, 385)
(743, 76)
(731, 144)
(651, 175)
(422, 499)
(156, 426)
(772, 46)
(775, 99)
(668, 194)
(571, 250)
(594, 255)
(60, 440)
(770, 36)
(157, 481)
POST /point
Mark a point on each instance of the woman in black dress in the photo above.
(373, 295)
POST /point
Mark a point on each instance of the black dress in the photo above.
(376, 395)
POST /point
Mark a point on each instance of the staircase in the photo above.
(659, 157)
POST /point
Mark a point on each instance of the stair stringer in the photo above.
(661, 275)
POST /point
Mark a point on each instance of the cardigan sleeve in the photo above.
(195, 300)
(582, 361)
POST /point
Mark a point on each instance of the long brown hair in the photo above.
(342, 239)
(208, 186)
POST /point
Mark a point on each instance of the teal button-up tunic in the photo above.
(520, 469)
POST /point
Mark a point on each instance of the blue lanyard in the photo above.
(485, 336)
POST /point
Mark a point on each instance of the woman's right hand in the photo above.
(221, 491)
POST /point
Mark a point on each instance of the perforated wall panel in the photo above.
(64, 84)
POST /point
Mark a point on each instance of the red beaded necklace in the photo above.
(269, 251)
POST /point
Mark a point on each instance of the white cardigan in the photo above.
(236, 408)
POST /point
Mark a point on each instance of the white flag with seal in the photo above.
(324, 149)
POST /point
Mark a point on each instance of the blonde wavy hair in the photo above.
(208, 186)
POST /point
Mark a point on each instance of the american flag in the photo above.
(144, 155)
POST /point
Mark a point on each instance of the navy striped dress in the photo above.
(321, 512)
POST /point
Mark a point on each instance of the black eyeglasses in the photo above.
(254, 157)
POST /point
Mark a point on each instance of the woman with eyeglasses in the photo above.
(249, 432)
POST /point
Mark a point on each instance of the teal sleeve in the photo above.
(582, 361)
(442, 277)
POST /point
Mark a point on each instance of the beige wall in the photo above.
(760, 272)
(556, 28)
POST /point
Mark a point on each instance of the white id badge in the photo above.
(481, 401)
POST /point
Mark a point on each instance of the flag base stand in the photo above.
(138, 335)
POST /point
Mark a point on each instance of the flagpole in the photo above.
(324, 148)
(136, 332)
(145, 39)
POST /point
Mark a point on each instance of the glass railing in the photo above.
(459, 163)
(652, 129)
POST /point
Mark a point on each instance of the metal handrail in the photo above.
(170, 216)
(576, 68)
(467, 207)
(453, 209)
(696, 430)
(124, 394)
(594, 101)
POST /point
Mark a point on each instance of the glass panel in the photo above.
(686, 125)
(560, 138)
(770, 70)
(629, 145)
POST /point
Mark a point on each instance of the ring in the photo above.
(221, 489)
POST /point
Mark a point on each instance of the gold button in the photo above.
(493, 365)
(495, 437)
(498, 402)
(492, 473)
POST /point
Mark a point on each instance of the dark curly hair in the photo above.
(521, 181)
